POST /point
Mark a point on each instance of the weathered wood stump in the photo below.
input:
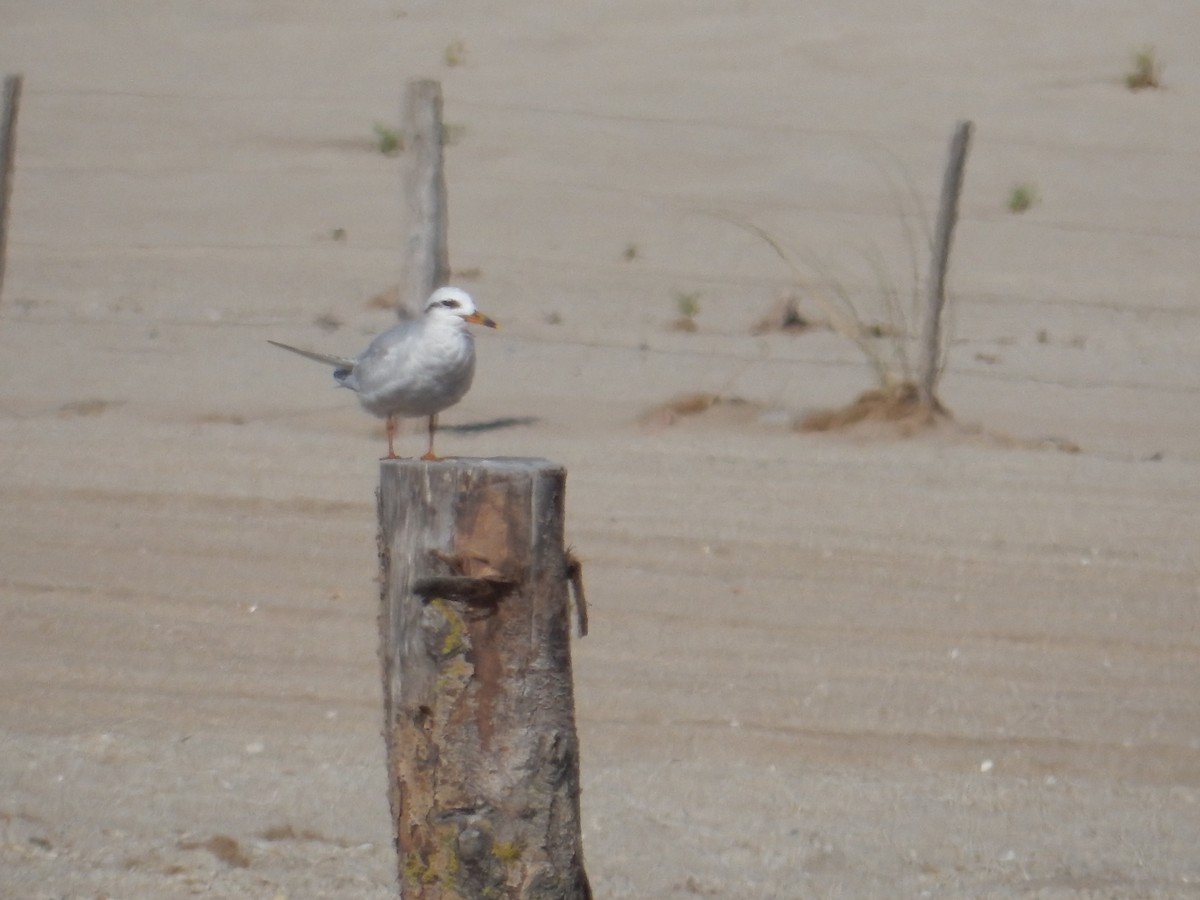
(483, 756)
(935, 302)
(8, 151)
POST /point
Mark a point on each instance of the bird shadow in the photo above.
(490, 425)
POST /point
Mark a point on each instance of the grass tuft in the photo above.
(455, 53)
(687, 303)
(1146, 72)
(390, 141)
(1022, 197)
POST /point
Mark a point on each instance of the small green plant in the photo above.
(390, 141)
(1022, 197)
(688, 305)
(1147, 71)
(455, 53)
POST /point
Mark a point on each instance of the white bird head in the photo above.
(448, 302)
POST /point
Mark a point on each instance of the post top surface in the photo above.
(491, 463)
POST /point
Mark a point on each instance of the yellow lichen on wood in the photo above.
(453, 675)
(442, 869)
(448, 856)
(507, 852)
(453, 640)
(415, 870)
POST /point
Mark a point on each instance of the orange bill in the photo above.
(480, 319)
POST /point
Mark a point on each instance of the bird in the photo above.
(416, 368)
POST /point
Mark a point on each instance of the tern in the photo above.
(416, 368)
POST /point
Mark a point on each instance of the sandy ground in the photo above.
(819, 666)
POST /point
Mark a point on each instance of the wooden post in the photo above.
(8, 150)
(483, 758)
(931, 331)
(426, 262)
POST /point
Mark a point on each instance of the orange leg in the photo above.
(391, 433)
(429, 454)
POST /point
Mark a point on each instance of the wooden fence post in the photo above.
(483, 757)
(8, 150)
(426, 261)
(931, 331)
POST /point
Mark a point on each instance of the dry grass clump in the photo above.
(725, 410)
(784, 316)
(223, 847)
(897, 407)
(288, 832)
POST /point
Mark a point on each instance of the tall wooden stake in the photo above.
(931, 350)
(483, 757)
(426, 262)
(8, 149)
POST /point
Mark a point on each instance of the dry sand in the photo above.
(819, 666)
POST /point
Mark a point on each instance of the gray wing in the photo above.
(339, 362)
(386, 357)
(394, 344)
